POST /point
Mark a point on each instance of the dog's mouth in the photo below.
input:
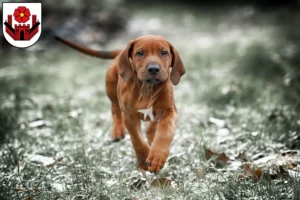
(153, 81)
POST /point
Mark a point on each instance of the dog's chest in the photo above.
(142, 110)
(147, 114)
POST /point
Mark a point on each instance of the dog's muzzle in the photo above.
(153, 71)
(153, 81)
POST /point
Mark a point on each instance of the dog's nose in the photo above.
(153, 69)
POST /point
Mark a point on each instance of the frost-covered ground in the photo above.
(239, 97)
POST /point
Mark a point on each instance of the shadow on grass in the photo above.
(278, 67)
(258, 63)
(8, 119)
(235, 94)
(13, 92)
(10, 109)
(266, 80)
(264, 189)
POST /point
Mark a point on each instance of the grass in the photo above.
(238, 70)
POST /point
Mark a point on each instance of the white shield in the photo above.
(22, 23)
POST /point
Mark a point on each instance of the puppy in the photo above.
(139, 84)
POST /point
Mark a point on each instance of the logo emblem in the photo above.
(22, 23)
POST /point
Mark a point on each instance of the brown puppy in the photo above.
(139, 84)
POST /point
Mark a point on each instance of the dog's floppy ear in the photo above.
(177, 66)
(124, 66)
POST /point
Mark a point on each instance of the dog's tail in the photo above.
(91, 52)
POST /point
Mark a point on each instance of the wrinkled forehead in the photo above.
(152, 42)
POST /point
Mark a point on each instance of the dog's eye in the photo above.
(164, 53)
(140, 53)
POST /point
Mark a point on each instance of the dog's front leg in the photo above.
(160, 147)
(140, 146)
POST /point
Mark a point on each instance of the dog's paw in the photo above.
(142, 164)
(157, 159)
(118, 133)
(142, 152)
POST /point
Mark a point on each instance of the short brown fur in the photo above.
(129, 92)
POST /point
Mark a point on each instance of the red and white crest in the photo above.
(22, 23)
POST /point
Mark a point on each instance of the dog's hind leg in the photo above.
(118, 131)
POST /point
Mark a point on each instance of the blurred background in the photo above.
(241, 93)
(97, 22)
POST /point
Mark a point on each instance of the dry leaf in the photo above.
(286, 159)
(218, 122)
(289, 153)
(220, 158)
(209, 153)
(54, 163)
(266, 160)
(257, 173)
(240, 177)
(223, 157)
(291, 165)
(200, 173)
(243, 156)
(273, 166)
(23, 189)
(258, 156)
(249, 171)
(163, 183)
(45, 161)
(29, 198)
(39, 124)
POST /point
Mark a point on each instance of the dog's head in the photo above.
(153, 59)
